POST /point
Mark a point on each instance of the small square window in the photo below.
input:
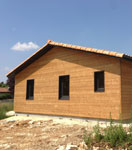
(99, 81)
(64, 87)
(30, 90)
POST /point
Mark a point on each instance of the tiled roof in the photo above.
(50, 44)
(4, 90)
(93, 50)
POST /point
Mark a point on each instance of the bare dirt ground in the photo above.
(34, 133)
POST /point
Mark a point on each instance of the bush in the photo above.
(97, 132)
(115, 135)
(5, 96)
(2, 84)
(112, 136)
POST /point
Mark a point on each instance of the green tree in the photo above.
(11, 83)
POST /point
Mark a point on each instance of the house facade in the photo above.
(69, 80)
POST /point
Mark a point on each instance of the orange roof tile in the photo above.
(51, 44)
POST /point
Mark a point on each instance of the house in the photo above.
(4, 90)
(68, 80)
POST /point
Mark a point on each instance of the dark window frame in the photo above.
(61, 93)
(96, 88)
(28, 96)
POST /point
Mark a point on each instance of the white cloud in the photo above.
(24, 46)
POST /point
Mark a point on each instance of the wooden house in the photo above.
(68, 80)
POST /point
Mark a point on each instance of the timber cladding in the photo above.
(83, 101)
(126, 87)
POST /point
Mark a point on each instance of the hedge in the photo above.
(5, 96)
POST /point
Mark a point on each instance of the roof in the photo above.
(4, 90)
(50, 44)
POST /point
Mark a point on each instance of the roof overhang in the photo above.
(50, 44)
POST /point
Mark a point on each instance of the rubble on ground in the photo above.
(47, 133)
(10, 113)
(38, 134)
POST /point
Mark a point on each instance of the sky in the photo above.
(26, 25)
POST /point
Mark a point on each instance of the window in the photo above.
(30, 90)
(99, 81)
(64, 87)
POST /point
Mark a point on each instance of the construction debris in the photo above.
(32, 134)
(10, 113)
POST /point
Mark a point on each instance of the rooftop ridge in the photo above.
(101, 51)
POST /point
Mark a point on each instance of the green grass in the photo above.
(5, 107)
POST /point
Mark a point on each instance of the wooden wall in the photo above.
(84, 102)
(126, 81)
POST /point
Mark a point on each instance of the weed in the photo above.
(115, 135)
(111, 120)
(97, 132)
(87, 138)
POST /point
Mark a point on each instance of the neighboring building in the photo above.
(4, 90)
(69, 80)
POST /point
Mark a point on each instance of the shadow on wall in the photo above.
(84, 59)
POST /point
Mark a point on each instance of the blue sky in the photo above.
(103, 24)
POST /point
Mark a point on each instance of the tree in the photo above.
(2, 84)
(11, 83)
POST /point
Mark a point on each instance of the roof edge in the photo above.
(51, 44)
(8, 74)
